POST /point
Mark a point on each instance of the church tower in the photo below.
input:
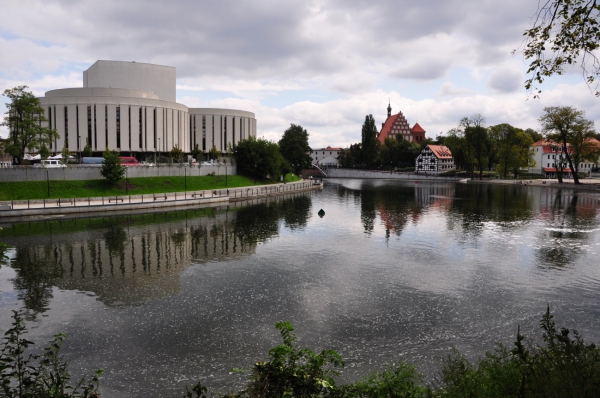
(389, 109)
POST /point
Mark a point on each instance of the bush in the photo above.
(27, 375)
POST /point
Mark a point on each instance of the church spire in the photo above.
(389, 109)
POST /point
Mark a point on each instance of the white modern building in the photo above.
(325, 156)
(130, 107)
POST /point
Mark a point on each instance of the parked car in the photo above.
(147, 164)
(92, 161)
(50, 164)
(129, 161)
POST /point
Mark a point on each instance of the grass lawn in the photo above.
(136, 186)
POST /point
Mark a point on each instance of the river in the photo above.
(392, 271)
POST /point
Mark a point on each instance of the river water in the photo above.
(392, 271)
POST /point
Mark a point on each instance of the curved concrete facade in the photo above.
(137, 120)
(126, 120)
(218, 127)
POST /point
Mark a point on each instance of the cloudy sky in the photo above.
(321, 64)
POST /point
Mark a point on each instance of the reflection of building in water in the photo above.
(395, 218)
(128, 265)
(555, 204)
(434, 195)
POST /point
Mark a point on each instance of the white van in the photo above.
(50, 164)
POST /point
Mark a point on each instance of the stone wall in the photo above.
(371, 174)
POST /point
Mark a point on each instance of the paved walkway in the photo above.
(130, 202)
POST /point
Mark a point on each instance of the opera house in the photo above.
(131, 108)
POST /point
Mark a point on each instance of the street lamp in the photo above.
(79, 146)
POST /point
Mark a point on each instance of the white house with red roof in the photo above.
(547, 154)
(325, 156)
(434, 159)
(398, 125)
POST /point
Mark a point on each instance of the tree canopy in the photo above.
(295, 149)
(112, 169)
(259, 158)
(24, 120)
(564, 32)
(370, 143)
(568, 127)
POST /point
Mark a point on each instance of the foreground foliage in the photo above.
(561, 365)
(46, 376)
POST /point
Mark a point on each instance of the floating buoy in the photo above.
(321, 213)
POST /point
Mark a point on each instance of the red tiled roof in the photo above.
(440, 151)
(332, 149)
(553, 170)
(417, 129)
(387, 127)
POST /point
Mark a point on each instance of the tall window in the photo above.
(118, 127)
(95, 130)
(89, 120)
(66, 127)
(154, 124)
(129, 125)
(204, 133)
(140, 130)
(106, 125)
(224, 140)
(213, 130)
(77, 125)
(146, 126)
(50, 122)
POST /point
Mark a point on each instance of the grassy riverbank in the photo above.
(134, 186)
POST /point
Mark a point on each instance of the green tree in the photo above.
(197, 153)
(87, 149)
(295, 149)
(478, 141)
(176, 154)
(370, 143)
(112, 169)
(398, 152)
(65, 154)
(259, 158)
(564, 32)
(24, 120)
(569, 127)
(44, 152)
(214, 153)
(535, 136)
(349, 157)
(514, 149)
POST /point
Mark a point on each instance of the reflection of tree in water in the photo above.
(261, 222)
(568, 215)
(34, 279)
(475, 204)
(115, 239)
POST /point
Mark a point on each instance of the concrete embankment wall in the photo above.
(17, 210)
(370, 174)
(93, 173)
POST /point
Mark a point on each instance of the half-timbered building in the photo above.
(434, 159)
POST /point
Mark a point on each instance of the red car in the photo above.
(129, 161)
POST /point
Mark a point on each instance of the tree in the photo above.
(176, 154)
(477, 141)
(259, 158)
(111, 167)
(196, 153)
(44, 152)
(398, 152)
(514, 149)
(568, 127)
(295, 149)
(24, 120)
(349, 157)
(87, 150)
(370, 143)
(564, 32)
(214, 153)
(66, 153)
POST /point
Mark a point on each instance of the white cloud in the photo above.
(506, 79)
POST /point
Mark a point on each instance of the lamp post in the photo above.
(80, 151)
(185, 178)
(48, 182)
(126, 182)
(226, 173)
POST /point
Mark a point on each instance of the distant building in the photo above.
(398, 125)
(434, 159)
(547, 154)
(325, 156)
(130, 107)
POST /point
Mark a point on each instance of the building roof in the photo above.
(387, 127)
(440, 151)
(547, 146)
(332, 149)
(553, 170)
(417, 129)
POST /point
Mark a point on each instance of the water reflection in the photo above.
(126, 261)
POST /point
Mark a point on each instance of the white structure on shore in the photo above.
(434, 159)
(130, 107)
(325, 156)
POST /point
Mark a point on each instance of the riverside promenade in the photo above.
(19, 209)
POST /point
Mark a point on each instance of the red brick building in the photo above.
(398, 125)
